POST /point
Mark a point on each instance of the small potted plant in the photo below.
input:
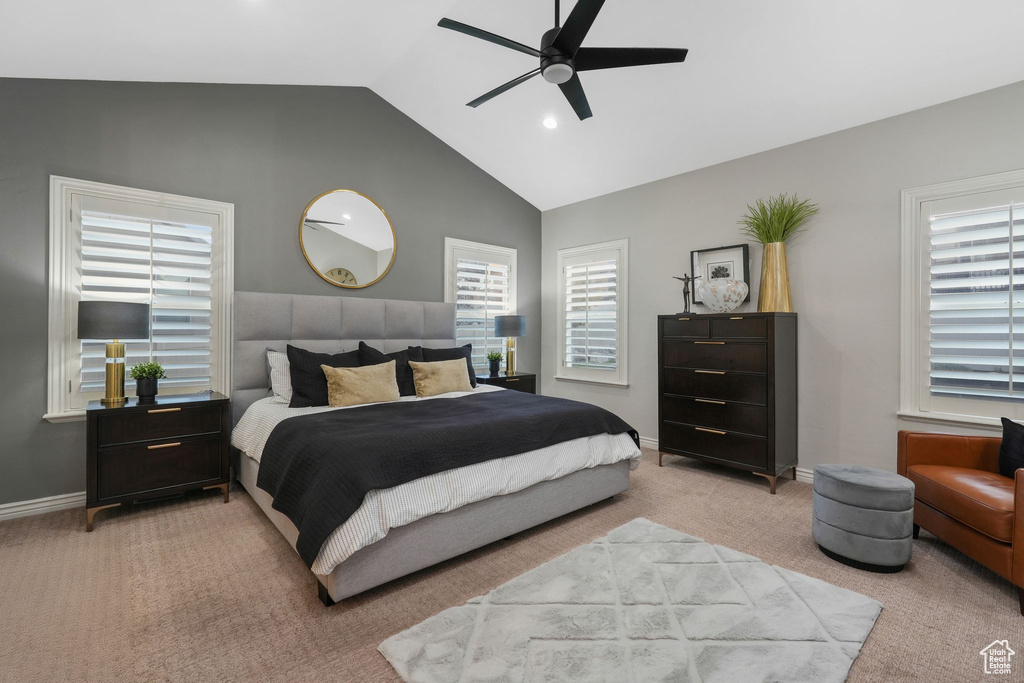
(494, 360)
(771, 222)
(146, 376)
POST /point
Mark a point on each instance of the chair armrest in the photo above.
(951, 450)
(1017, 570)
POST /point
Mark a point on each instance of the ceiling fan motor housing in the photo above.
(555, 67)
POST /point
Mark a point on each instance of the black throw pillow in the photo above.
(309, 384)
(1011, 450)
(433, 355)
(403, 373)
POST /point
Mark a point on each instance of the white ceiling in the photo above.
(759, 74)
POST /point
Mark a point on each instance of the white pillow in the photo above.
(280, 376)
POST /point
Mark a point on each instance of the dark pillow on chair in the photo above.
(403, 373)
(1011, 450)
(432, 355)
(309, 384)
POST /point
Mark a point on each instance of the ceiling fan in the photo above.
(561, 57)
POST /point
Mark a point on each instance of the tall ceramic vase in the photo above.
(774, 292)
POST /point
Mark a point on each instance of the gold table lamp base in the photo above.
(114, 393)
(510, 355)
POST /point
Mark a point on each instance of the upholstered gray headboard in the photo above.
(324, 323)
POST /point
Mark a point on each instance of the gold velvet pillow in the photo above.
(440, 377)
(366, 384)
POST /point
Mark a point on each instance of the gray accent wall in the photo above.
(844, 271)
(268, 150)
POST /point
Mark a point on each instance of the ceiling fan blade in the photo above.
(488, 36)
(573, 91)
(593, 58)
(575, 29)
(502, 88)
(313, 220)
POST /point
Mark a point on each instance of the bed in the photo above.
(386, 552)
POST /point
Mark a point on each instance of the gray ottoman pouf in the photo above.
(863, 516)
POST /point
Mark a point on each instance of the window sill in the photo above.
(579, 380)
(68, 416)
(953, 419)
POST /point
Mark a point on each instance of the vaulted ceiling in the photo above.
(760, 73)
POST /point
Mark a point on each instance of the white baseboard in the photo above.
(38, 506)
(802, 473)
(647, 442)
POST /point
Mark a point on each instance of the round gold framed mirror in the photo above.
(347, 239)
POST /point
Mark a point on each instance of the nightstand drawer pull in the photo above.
(683, 319)
(513, 380)
(717, 343)
(706, 400)
(164, 410)
(163, 445)
(709, 372)
(738, 317)
(710, 431)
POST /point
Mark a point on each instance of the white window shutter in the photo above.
(481, 282)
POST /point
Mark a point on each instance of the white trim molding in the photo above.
(915, 402)
(38, 506)
(65, 195)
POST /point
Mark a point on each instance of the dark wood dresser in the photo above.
(167, 445)
(520, 381)
(727, 384)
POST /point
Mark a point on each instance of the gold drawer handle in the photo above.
(709, 372)
(710, 431)
(706, 400)
(513, 380)
(738, 317)
(163, 445)
(164, 410)
(683, 319)
(708, 342)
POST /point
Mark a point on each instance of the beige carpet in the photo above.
(192, 589)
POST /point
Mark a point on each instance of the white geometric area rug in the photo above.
(644, 603)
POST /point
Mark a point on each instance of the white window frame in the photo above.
(62, 307)
(915, 307)
(452, 245)
(620, 378)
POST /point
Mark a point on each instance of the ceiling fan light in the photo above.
(557, 73)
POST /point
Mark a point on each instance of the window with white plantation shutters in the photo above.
(963, 300)
(480, 279)
(111, 243)
(976, 326)
(592, 312)
(127, 254)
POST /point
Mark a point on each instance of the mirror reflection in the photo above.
(347, 239)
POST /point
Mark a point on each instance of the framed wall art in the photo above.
(732, 262)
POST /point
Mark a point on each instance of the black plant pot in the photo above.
(495, 366)
(145, 388)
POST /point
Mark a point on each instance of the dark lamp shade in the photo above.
(509, 326)
(112, 320)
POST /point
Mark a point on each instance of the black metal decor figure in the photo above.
(686, 280)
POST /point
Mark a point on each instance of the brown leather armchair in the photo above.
(961, 498)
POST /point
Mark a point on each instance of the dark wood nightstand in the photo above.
(167, 445)
(520, 381)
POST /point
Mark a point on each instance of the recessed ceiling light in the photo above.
(346, 216)
(550, 123)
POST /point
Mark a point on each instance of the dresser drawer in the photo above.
(739, 449)
(739, 328)
(736, 356)
(724, 386)
(141, 469)
(684, 326)
(703, 412)
(157, 423)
